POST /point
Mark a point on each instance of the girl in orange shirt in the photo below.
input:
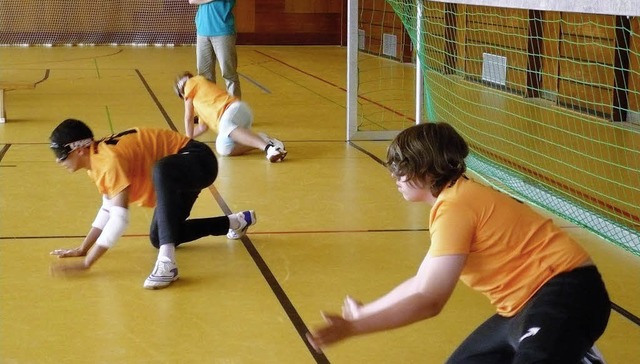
(226, 115)
(156, 168)
(550, 300)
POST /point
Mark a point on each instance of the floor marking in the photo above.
(286, 304)
(156, 101)
(279, 292)
(4, 150)
(258, 85)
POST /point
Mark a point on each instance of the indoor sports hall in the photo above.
(335, 81)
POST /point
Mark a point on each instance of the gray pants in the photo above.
(223, 50)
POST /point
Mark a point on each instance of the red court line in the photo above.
(250, 233)
(580, 194)
(613, 209)
(396, 112)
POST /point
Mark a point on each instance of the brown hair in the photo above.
(428, 153)
(178, 86)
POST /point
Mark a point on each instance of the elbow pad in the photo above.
(102, 217)
(115, 227)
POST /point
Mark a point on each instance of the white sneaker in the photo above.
(246, 218)
(276, 151)
(275, 154)
(164, 273)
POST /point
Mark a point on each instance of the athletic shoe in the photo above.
(246, 218)
(276, 151)
(275, 154)
(164, 273)
(593, 356)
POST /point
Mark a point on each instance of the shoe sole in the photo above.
(159, 284)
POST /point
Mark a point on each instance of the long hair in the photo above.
(430, 153)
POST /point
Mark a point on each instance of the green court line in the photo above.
(109, 119)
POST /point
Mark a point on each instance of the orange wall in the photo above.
(291, 21)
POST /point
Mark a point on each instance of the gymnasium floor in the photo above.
(330, 223)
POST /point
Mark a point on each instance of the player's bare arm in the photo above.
(188, 117)
(418, 298)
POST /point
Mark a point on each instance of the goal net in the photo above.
(548, 99)
(60, 22)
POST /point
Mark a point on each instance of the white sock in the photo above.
(167, 251)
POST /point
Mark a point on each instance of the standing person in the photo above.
(151, 168)
(551, 302)
(216, 40)
(226, 115)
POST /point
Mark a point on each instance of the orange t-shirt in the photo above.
(127, 159)
(209, 100)
(512, 250)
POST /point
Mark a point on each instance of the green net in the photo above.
(549, 102)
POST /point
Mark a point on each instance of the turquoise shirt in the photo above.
(215, 18)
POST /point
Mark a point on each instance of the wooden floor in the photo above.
(330, 223)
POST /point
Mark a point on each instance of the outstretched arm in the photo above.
(109, 224)
(418, 298)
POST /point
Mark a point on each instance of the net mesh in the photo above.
(549, 102)
(58, 22)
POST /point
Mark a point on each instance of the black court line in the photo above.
(256, 83)
(4, 150)
(282, 297)
(158, 104)
(276, 288)
(631, 317)
(371, 155)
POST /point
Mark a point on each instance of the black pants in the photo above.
(178, 180)
(558, 325)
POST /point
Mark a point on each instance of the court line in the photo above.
(560, 185)
(4, 150)
(272, 281)
(256, 83)
(291, 232)
(614, 306)
(278, 291)
(631, 317)
(166, 116)
(396, 112)
(44, 78)
(106, 107)
(563, 186)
